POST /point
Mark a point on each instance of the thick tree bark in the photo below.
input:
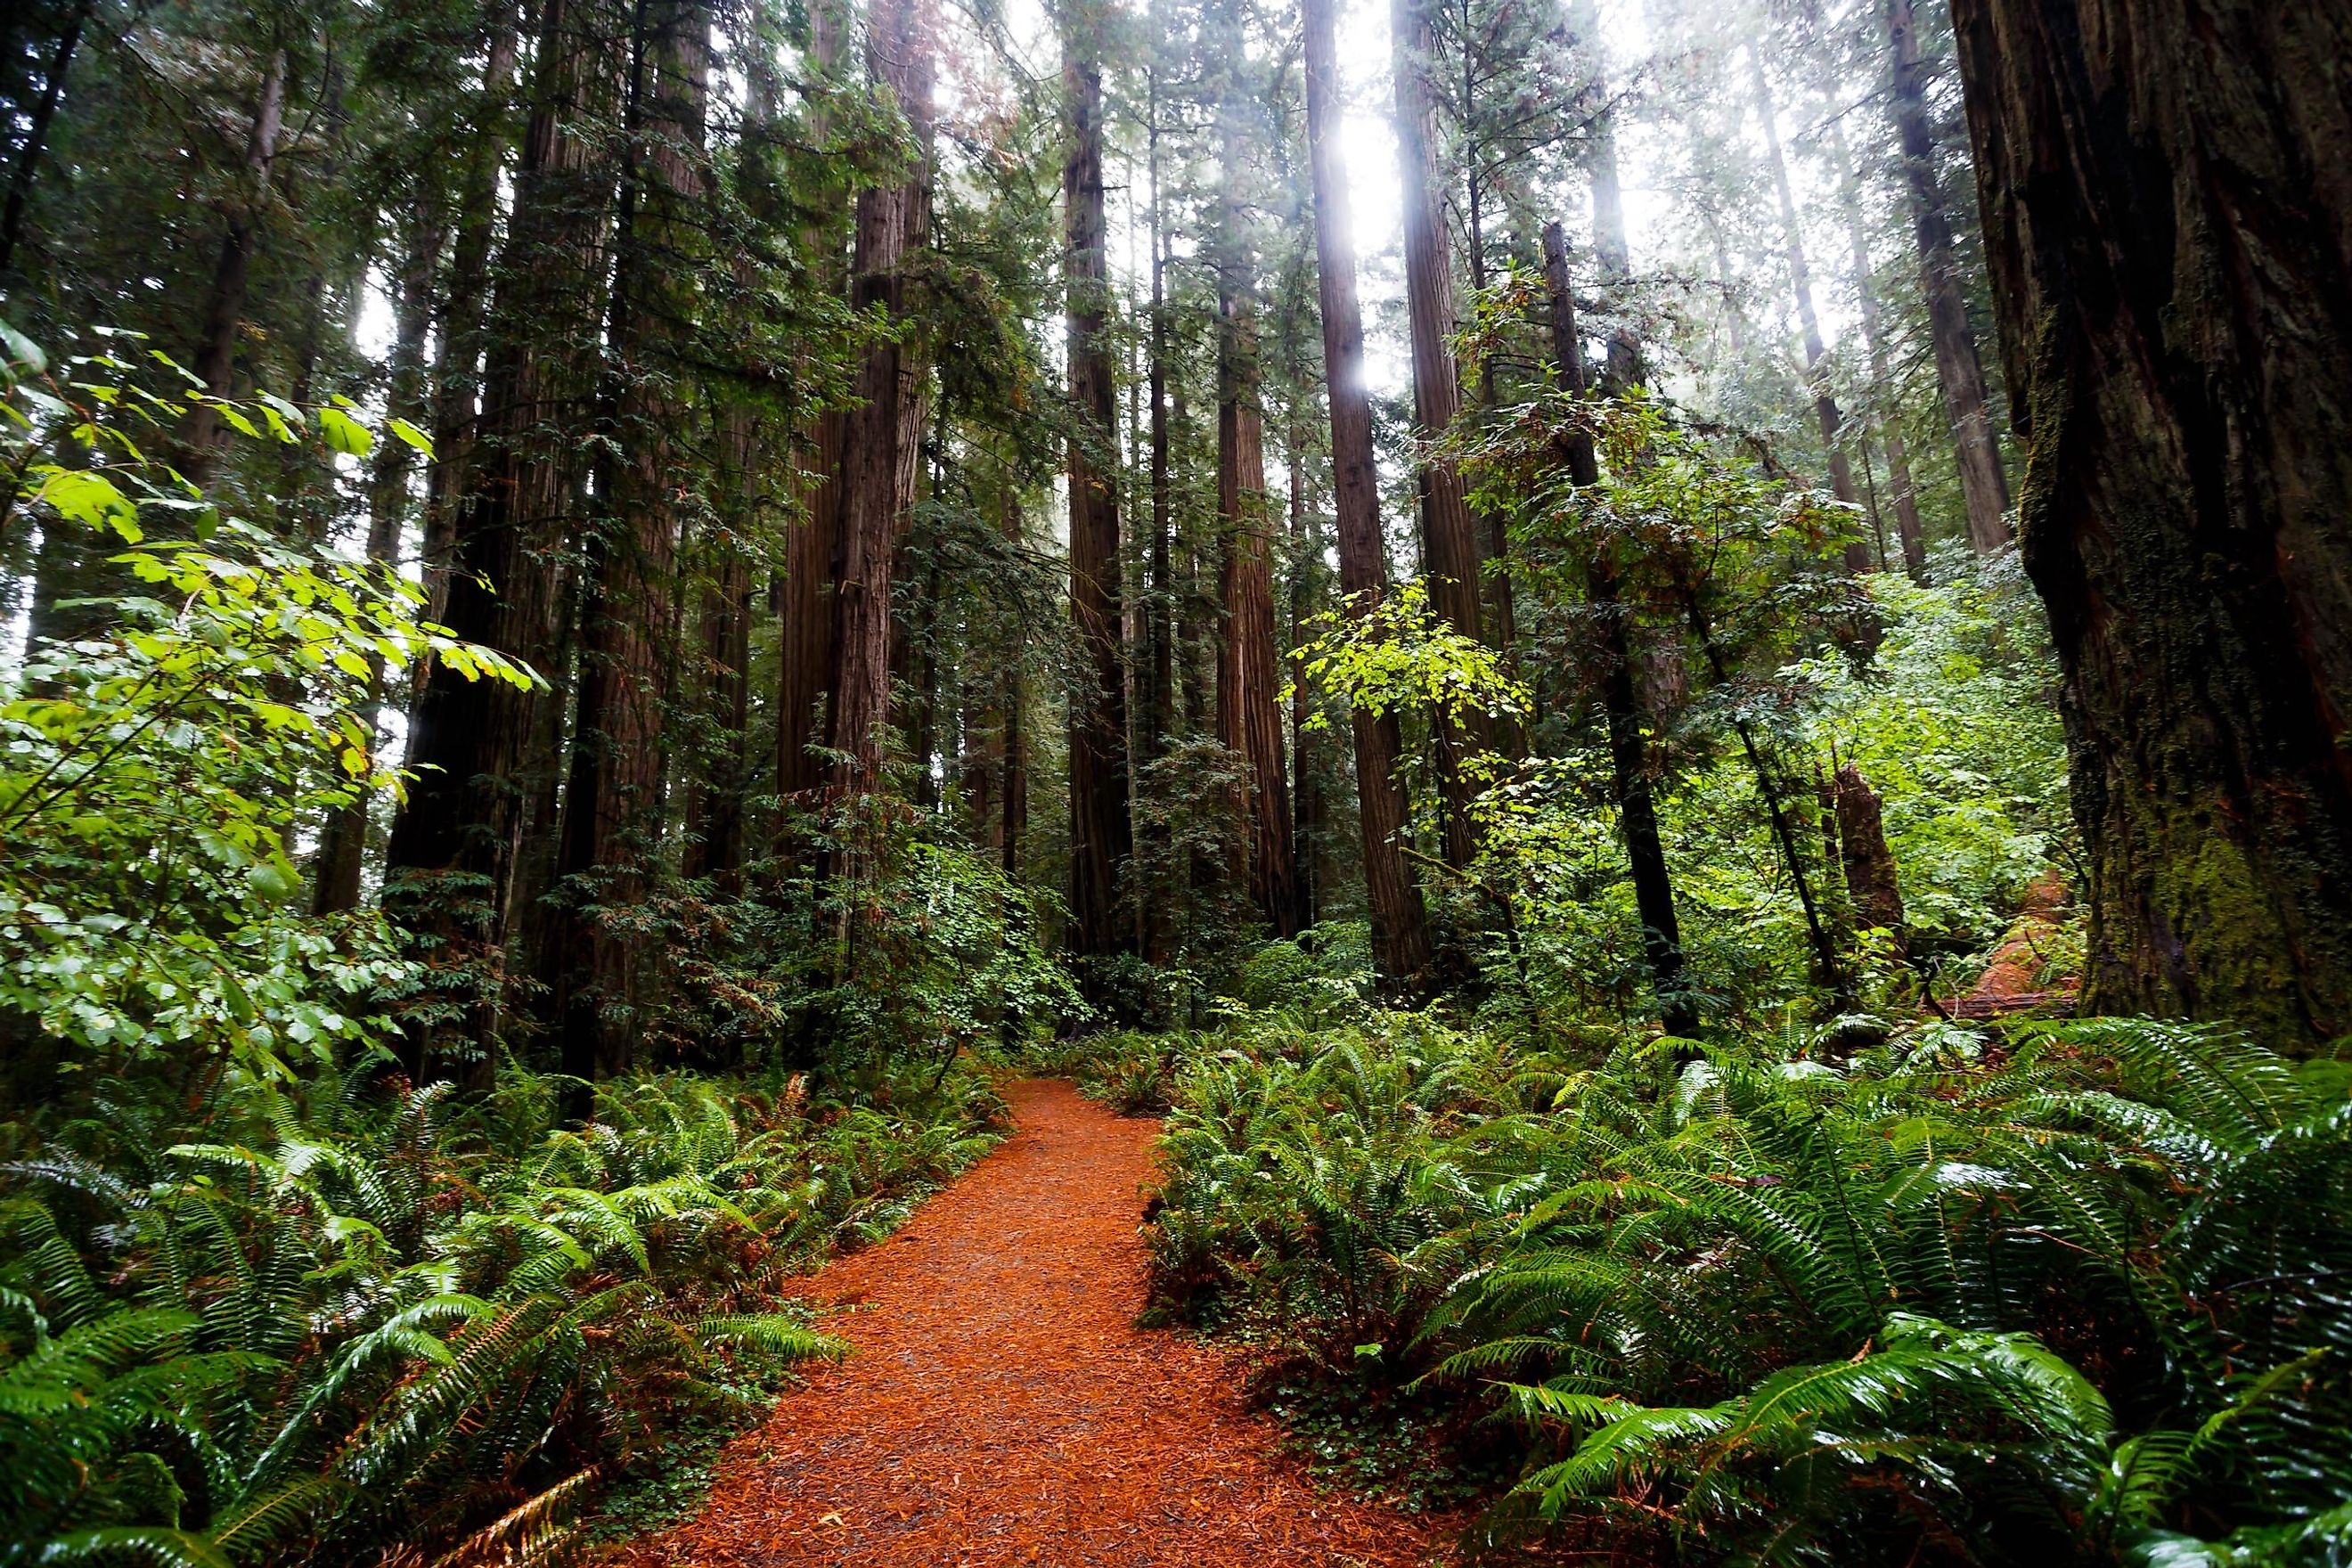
(1976, 445)
(1017, 772)
(805, 611)
(343, 842)
(456, 841)
(1873, 336)
(880, 441)
(1196, 609)
(1628, 723)
(613, 815)
(1249, 716)
(805, 590)
(1452, 557)
(1801, 282)
(1399, 933)
(2167, 199)
(1102, 833)
(215, 362)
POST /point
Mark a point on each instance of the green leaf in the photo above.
(345, 434)
(92, 499)
(413, 436)
(24, 354)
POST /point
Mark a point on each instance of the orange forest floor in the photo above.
(1002, 1406)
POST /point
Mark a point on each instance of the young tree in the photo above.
(343, 841)
(2175, 299)
(1628, 726)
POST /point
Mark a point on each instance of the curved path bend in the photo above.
(1003, 1407)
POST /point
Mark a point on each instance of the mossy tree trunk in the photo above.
(2167, 199)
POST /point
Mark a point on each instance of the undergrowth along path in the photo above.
(1003, 1407)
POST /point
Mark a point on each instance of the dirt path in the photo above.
(1001, 1408)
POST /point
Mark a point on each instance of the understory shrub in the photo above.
(314, 1321)
(2076, 1293)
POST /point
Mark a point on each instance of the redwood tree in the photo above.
(456, 841)
(1249, 715)
(880, 441)
(1399, 930)
(2168, 222)
(1101, 832)
(611, 832)
(1452, 560)
(1976, 445)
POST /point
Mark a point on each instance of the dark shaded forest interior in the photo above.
(1671, 676)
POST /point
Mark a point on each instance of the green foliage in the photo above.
(1953, 723)
(2079, 1295)
(342, 1320)
(154, 772)
(1403, 655)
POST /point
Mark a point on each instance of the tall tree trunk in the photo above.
(1305, 548)
(1159, 608)
(457, 369)
(613, 815)
(880, 444)
(1611, 248)
(1628, 725)
(1101, 834)
(1400, 934)
(1249, 718)
(1882, 381)
(805, 590)
(1160, 688)
(714, 811)
(1801, 281)
(456, 840)
(2168, 221)
(36, 133)
(1976, 445)
(1013, 791)
(1195, 609)
(343, 842)
(215, 357)
(1452, 559)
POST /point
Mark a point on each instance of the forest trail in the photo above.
(1003, 1407)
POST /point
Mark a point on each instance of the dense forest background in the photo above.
(1674, 673)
